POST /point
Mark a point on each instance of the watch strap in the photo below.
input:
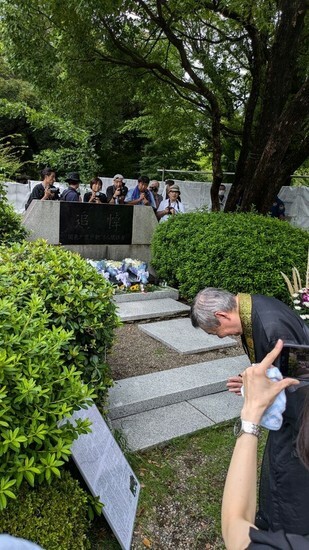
(246, 427)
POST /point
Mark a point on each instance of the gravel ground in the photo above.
(136, 353)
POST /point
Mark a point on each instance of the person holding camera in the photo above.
(95, 196)
(45, 191)
(170, 206)
(117, 192)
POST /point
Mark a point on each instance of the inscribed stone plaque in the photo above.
(84, 223)
(107, 474)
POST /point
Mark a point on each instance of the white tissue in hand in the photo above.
(272, 417)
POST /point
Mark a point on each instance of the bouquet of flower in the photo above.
(127, 274)
(299, 292)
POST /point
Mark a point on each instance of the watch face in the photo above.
(237, 427)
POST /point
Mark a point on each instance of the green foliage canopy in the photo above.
(240, 65)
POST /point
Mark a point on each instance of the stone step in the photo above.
(158, 426)
(180, 335)
(150, 309)
(159, 389)
(164, 292)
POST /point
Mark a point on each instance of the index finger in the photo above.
(272, 355)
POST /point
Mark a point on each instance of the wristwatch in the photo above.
(246, 427)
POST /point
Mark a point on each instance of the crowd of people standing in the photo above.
(145, 193)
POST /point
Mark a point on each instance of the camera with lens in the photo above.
(54, 190)
(97, 194)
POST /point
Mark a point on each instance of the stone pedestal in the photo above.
(95, 231)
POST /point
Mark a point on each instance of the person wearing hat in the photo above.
(71, 194)
(117, 192)
(171, 206)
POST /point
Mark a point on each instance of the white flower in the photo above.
(296, 301)
(295, 295)
(304, 316)
(297, 307)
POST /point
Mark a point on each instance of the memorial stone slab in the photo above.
(84, 223)
(180, 335)
(107, 474)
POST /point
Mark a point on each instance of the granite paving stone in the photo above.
(140, 393)
(180, 335)
(157, 426)
(147, 309)
(164, 292)
(220, 406)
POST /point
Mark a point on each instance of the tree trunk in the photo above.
(261, 169)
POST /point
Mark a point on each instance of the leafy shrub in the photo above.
(11, 229)
(37, 389)
(238, 252)
(56, 323)
(75, 297)
(54, 517)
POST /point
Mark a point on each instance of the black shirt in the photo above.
(38, 193)
(102, 197)
(111, 190)
(268, 540)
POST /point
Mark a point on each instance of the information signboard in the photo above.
(107, 474)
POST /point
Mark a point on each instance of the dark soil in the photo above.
(135, 353)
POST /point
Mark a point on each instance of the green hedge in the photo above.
(54, 517)
(237, 252)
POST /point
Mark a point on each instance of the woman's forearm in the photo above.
(239, 497)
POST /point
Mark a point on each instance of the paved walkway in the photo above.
(154, 408)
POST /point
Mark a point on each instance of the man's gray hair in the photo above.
(206, 303)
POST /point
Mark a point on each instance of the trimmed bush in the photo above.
(54, 517)
(76, 298)
(56, 324)
(237, 252)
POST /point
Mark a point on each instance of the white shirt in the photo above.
(176, 205)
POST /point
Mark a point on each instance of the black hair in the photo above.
(143, 179)
(95, 180)
(47, 171)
